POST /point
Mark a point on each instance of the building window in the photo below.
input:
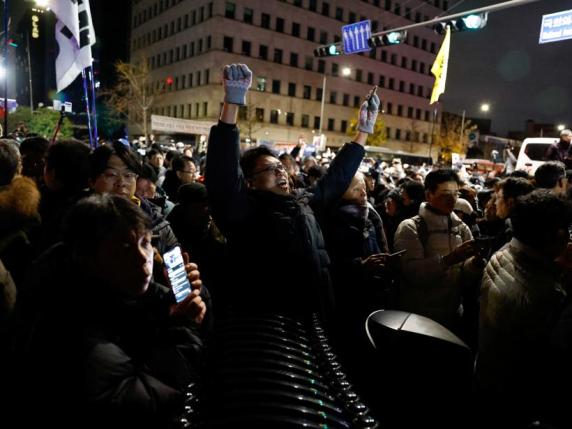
(381, 82)
(390, 108)
(200, 45)
(359, 75)
(427, 116)
(330, 124)
(312, 5)
(291, 89)
(410, 112)
(399, 110)
(227, 44)
(356, 101)
(339, 14)
(248, 15)
(295, 29)
(242, 113)
(319, 92)
(333, 97)
(394, 59)
(414, 65)
(198, 78)
(305, 121)
(293, 59)
(419, 91)
(290, 119)
(261, 83)
(246, 48)
(370, 78)
(391, 83)
(412, 88)
(205, 108)
(323, 37)
(422, 68)
(276, 87)
(321, 66)
(346, 100)
(384, 56)
(404, 62)
(401, 86)
(317, 122)
(325, 9)
(278, 56)
(309, 63)
(335, 69)
(418, 114)
(352, 17)
(263, 52)
(344, 126)
(229, 10)
(274, 116)
(265, 20)
(398, 134)
(207, 76)
(397, 9)
(259, 113)
(311, 34)
(307, 94)
(280, 25)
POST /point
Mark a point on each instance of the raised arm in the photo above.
(224, 179)
(346, 163)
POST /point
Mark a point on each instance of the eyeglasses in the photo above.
(273, 168)
(113, 175)
(188, 171)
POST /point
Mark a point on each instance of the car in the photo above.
(533, 153)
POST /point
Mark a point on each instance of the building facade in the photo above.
(187, 42)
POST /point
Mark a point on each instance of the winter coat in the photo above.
(428, 287)
(114, 362)
(274, 240)
(165, 238)
(19, 203)
(521, 299)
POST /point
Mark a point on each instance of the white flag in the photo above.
(75, 36)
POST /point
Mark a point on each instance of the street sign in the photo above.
(556, 27)
(356, 36)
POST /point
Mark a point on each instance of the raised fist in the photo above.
(237, 78)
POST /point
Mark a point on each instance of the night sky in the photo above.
(504, 65)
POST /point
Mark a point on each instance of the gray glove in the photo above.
(237, 78)
(368, 113)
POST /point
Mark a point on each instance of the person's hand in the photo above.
(193, 273)
(237, 78)
(462, 253)
(375, 263)
(192, 307)
(368, 113)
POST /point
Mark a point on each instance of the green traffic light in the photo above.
(473, 22)
(333, 50)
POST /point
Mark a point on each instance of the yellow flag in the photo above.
(439, 68)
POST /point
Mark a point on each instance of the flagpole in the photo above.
(433, 129)
(93, 107)
(5, 65)
(87, 109)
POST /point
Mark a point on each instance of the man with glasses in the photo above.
(272, 231)
(440, 252)
(183, 171)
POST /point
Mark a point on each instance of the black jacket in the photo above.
(112, 362)
(275, 241)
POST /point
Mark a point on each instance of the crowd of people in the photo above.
(85, 304)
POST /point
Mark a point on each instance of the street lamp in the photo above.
(346, 71)
(560, 127)
(42, 3)
(485, 107)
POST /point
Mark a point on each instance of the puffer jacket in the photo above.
(521, 299)
(428, 287)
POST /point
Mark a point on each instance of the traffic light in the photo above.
(169, 81)
(466, 23)
(327, 51)
(393, 38)
(12, 43)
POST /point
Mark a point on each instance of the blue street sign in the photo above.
(556, 27)
(356, 36)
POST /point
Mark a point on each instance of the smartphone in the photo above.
(177, 275)
(397, 253)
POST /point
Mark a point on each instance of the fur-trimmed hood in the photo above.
(19, 203)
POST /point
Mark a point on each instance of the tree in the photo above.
(379, 136)
(453, 136)
(249, 121)
(133, 94)
(42, 122)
